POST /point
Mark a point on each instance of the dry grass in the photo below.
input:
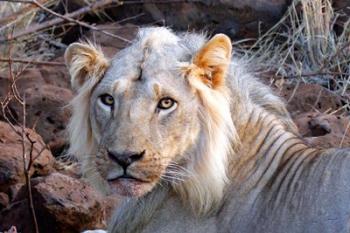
(16, 17)
(303, 46)
(35, 29)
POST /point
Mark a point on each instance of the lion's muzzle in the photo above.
(123, 181)
(125, 159)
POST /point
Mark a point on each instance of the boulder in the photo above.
(17, 214)
(47, 112)
(324, 130)
(47, 94)
(305, 97)
(110, 45)
(11, 157)
(4, 200)
(55, 76)
(236, 18)
(62, 204)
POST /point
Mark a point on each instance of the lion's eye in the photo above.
(107, 99)
(166, 103)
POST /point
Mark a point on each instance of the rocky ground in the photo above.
(63, 201)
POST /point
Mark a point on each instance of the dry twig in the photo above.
(24, 135)
(32, 62)
(69, 17)
(303, 46)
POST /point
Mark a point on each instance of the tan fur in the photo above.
(213, 60)
(204, 185)
(208, 140)
(206, 75)
(85, 61)
(86, 65)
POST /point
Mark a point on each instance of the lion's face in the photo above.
(157, 111)
(144, 119)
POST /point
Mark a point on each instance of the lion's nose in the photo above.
(126, 158)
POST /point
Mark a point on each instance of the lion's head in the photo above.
(157, 112)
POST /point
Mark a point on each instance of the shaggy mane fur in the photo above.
(86, 64)
(204, 188)
(207, 163)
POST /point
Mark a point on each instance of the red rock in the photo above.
(324, 130)
(17, 214)
(55, 76)
(47, 94)
(28, 78)
(110, 203)
(110, 46)
(11, 157)
(306, 97)
(62, 204)
(4, 200)
(47, 112)
(13, 190)
(236, 18)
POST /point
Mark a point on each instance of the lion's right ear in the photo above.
(213, 60)
(85, 62)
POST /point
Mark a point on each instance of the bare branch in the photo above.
(22, 133)
(8, 18)
(69, 18)
(32, 62)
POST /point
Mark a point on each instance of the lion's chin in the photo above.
(130, 187)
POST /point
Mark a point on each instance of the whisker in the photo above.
(173, 181)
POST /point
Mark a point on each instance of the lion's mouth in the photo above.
(126, 177)
(128, 185)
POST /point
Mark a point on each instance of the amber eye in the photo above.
(166, 103)
(107, 99)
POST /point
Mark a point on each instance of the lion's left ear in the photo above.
(213, 60)
(85, 62)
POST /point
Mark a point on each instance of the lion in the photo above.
(196, 143)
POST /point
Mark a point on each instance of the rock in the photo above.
(47, 94)
(55, 76)
(13, 190)
(68, 165)
(62, 204)
(11, 160)
(306, 97)
(17, 214)
(110, 46)
(318, 113)
(11, 166)
(13, 229)
(324, 130)
(71, 209)
(236, 18)
(4, 200)
(28, 78)
(110, 204)
(47, 113)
